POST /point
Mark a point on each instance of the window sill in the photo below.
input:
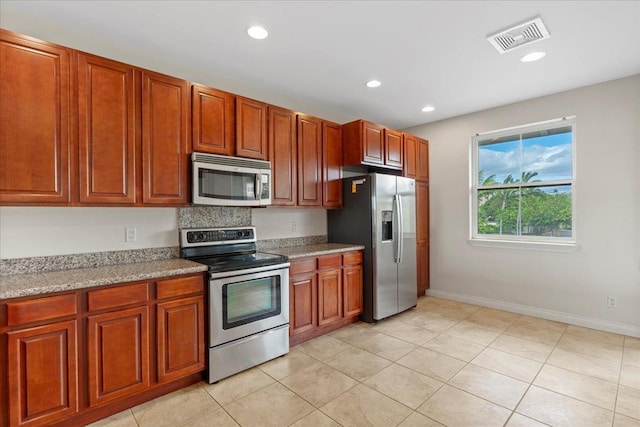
(528, 245)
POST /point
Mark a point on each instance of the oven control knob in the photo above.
(239, 233)
(247, 233)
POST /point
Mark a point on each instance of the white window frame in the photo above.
(518, 241)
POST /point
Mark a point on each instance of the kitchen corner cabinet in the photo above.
(108, 148)
(331, 165)
(283, 154)
(309, 161)
(212, 120)
(325, 294)
(251, 128)
(370, 144)
(35, 136)
(79, 356)
(165, 139)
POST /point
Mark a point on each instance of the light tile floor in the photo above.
(443, 363)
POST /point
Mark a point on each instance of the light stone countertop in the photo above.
(20, 285)
(293, 252)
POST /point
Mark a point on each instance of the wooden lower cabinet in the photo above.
(181, 347)
(325, 293)
(118, 354)
(73, 358)
(43, 374)
(329, 296)
(303, 303)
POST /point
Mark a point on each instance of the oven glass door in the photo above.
(250, 301)
(243, 304)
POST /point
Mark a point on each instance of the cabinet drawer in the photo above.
(302, 266)
(329, 261)
(352, 258)
(115, 297)
(180, 286)
(34, 310)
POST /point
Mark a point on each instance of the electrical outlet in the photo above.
(294, 226)
(130, 234)
(612, 302)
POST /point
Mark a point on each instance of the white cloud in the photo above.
(551, 163)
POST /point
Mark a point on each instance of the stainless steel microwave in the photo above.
(230, 181)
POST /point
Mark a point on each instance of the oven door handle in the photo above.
(258, 191)
(243, 272)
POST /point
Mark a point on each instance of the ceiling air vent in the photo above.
(520, 35)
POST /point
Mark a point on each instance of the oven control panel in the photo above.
(216, 236)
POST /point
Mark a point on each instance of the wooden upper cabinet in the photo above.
(416, 157)
(35, 141)
(370, 144)
(165, 139)
(213, 120)
(331, 165)
(283, 156)
(393, 148)
(423, 160)
(251, 128)
(107, 147)
(410, 166)
(309, 161)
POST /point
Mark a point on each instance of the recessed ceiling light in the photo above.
(533, 56)
(257, 32)
(428, 108)
(373, 83)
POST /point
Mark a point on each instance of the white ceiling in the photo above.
(320, 53)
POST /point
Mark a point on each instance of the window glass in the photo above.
(523, 183)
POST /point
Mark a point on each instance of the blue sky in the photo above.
(550, 156)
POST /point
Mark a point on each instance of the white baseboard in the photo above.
(558, 316)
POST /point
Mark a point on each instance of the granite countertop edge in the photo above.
(294, 252)
(22, 285)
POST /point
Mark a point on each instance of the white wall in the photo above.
(41, 231)
(570, 286)
(279, 223)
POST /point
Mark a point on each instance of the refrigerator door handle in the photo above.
(400, 236)
(395, 229)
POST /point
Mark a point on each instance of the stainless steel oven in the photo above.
(248, 298)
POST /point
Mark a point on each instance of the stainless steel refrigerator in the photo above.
(379, 212)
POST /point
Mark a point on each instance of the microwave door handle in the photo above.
(258, 180)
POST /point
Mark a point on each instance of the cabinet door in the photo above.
(329, 296)
(423, 267)
(303, 302)
(422, 235)
(283, 155)
(43, 374)
(106, 130)
(180, 338)
(212, 120)
(423, 160)
(309, 161)
(35, 142)
(410, 163)
(118, 354)
(352, 282)
(165, 139)
(251, 128)
(393, 148)
(331, 165)
(422, 211)
(373, 144)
